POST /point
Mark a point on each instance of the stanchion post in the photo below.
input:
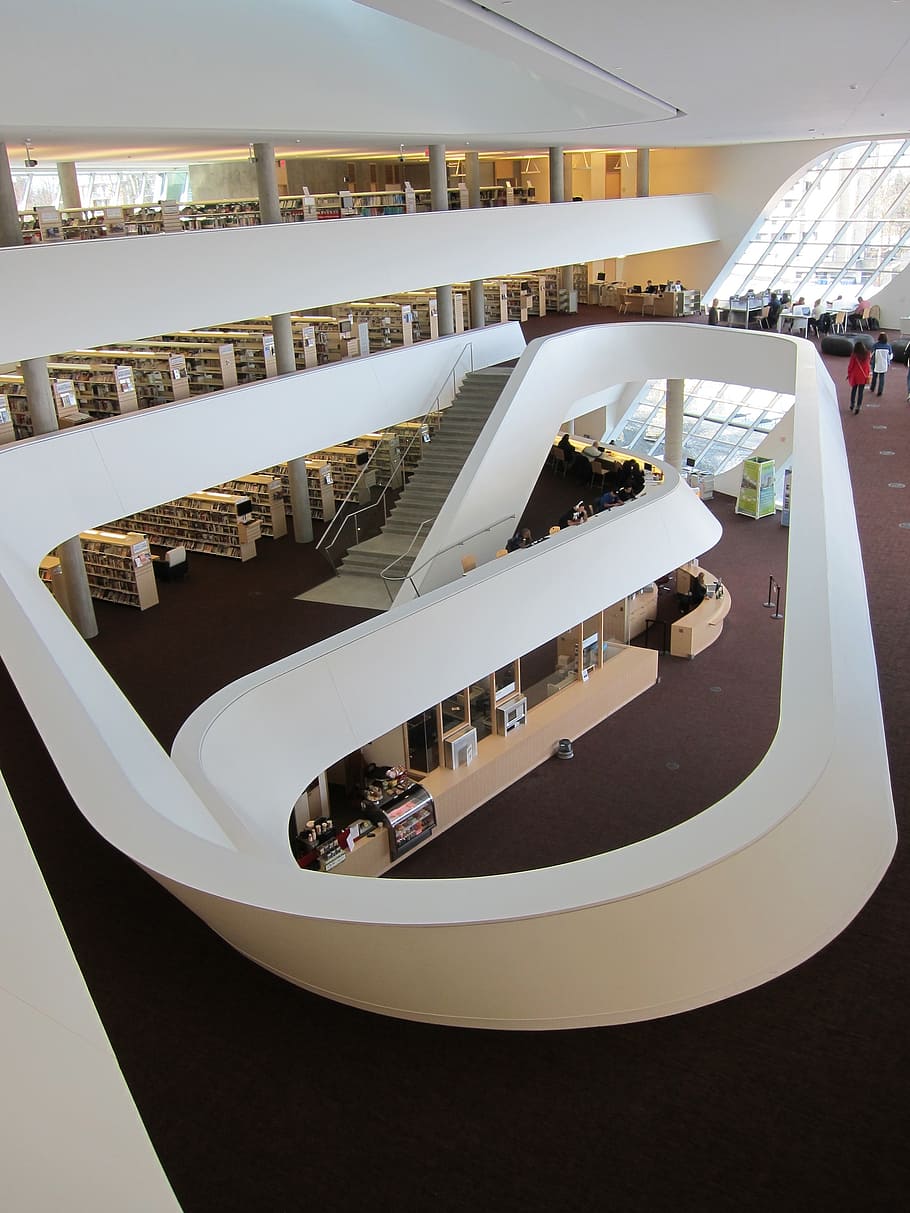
(777, 612)
(770, 590)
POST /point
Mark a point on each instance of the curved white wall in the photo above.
(141, 286)
(743, 891)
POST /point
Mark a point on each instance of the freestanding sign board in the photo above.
(756, 490)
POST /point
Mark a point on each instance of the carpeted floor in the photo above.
(261, 1097)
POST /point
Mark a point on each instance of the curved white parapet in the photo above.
(747, 889)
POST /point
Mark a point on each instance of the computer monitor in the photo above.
(601, 277)
(690, 463)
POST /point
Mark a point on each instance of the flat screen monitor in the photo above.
(690, 463)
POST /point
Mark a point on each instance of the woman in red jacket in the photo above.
(859, 370)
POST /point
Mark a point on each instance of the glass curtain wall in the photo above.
(842, 228)
(723, 423)
(104, 186)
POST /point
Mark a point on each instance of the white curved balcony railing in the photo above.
(745, 890)
(139, 286)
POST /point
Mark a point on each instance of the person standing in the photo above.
(713, 314)
(858, 373)
(882, 353)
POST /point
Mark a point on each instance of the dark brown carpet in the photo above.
(261, 1097)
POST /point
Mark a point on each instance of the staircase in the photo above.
(424, 494)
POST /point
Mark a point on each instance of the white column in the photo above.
(44, 421)
(558, 194)
(676, 389)
(439, 201)
(270, 212)
(643, 172)
(472, 180)
(70, 199)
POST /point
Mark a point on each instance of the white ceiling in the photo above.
(203, 80)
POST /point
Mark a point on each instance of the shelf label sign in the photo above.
(127, 400)
(347, 202)
(268, 350)
(170, 216)
(65, 397)
(180, 385)
(228, 365)
(309, 205)
(49, 224)
(410, 199)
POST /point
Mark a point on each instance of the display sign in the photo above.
(228, 360)
(170, 216)
(785, 510)
(347, 202)
(407, 326)
(50, 224)
(410, 199)
(510, 194)
(65, 397)
(114, 222)
(309, 205)
(180, 385)
(756, 490)
(268, 350)
(363, 333)
(127, 400)
(310, 353)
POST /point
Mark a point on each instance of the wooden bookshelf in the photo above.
(216, 523)
(320, 483)
(267, 495)
(118, 565)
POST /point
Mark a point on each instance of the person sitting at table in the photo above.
(650, 288)
(774, 310)
(814, 317)
(697, 591)
(521, 539)
(606, 501)
(854, 320)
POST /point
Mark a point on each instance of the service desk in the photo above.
(693, 633)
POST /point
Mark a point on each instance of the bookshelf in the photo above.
(118, 565)
(215, 523)
(267, 495)
(320, 484)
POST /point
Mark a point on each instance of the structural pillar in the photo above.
(643, 172)
(557, 156)
(270, 212)
(472, 181)
(439, 201)
(44, 421)
(70, 199)
(676, 390)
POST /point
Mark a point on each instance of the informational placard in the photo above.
(347, 202)
(541, 296)
(434, 317)
(127, 400)
(65, 398)
(228, 360)
(309, 205)
(180, 385)
(510, 194)
(407, 325)
(310, 352)
(363, 333)
(170, 216)
(50, 224)
(114, 222)
(464, 198)
(458, 309)
(756, 490)
(503, 301)
(410, 199)
(268, 350)
(785, 511)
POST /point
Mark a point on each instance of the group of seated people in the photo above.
(624, 478)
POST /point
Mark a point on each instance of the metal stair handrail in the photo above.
(408, 576)
(323, 543)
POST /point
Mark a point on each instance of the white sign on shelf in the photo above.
(410, 199)
(347, 202)
(180, 385)
(309, 205)
(170, 216)
(127, 400)
(268, 349)
(407, 326)
(50, 224)
(114, 222)
(363, 333)
(228, 360)
(510, 194)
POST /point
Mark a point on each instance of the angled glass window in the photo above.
(842, 228)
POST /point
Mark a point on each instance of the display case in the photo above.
(409, 820)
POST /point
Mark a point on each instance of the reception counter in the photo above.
(697, 630)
